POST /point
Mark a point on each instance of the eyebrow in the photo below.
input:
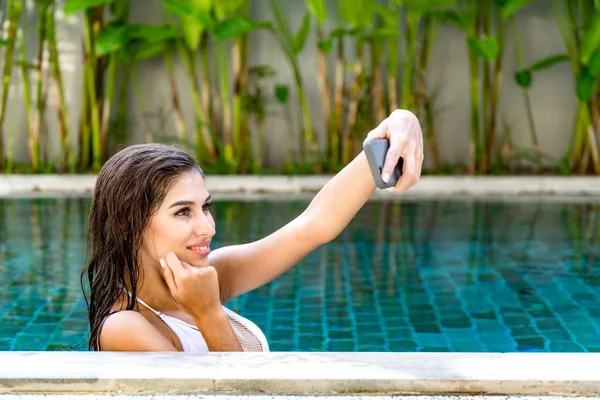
(188, 202)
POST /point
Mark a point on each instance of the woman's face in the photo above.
(183, 224)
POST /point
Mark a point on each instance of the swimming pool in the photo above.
(447, 275)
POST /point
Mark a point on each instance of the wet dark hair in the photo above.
(129, 189)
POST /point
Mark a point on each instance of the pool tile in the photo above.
(538, 289)
(565, 346)
(531, 343)
(404, 345)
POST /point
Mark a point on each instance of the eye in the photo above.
(206, 207)
(184, 212)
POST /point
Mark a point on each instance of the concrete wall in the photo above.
(552, 94)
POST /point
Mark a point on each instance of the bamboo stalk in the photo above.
(580, 133)
(209, 106)
(28, 100)
(84, 127)
(246, 139)
(177, 113)
(15, 8)
(324, 90)
(376, 73)
(393, 70)
(38, 116)
(204, 143)
(593, 146)
(336, 135)
(309, 143)
(484, 26)
(61, 104)
(495, 89)
(474, 145)
(406, 99)
(421, 100)
(595, 123)
(89, 70)
(528, 108)
(353, 107)
(236, 62)
(108, 100)
(137, 89)
(223, 70)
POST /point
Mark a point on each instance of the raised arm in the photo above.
(242, 268)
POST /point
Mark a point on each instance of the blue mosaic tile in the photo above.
(404, 345)
(454, 290)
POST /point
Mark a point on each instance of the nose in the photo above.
(204, 226)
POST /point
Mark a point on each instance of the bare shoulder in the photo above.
(130, 331)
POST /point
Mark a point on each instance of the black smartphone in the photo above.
(376, 150)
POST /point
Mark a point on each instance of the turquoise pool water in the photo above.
(413, 275)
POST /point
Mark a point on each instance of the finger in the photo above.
(173, 262)
(419, 165)
(409, 171)
(380, 132)
(397, 147)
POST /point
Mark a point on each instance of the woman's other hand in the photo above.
(403, 130)
(195, 289)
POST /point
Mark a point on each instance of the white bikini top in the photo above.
(249, 334)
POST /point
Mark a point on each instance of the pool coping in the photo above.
(429, 185)
(297, 373)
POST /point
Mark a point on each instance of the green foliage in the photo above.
(75, 6)
(376, 46)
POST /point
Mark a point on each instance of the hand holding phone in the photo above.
(376, 151)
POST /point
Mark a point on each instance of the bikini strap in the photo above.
(142, 302)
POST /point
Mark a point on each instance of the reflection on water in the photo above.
(417, 275)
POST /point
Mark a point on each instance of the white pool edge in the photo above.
(302, 374)
(586, 186)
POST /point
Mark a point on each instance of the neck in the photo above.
(153, 289)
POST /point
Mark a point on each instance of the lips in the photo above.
(202, 249)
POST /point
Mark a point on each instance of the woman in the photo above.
(155, 283)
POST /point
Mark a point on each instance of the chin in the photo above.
(197, 261)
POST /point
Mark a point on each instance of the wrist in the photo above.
(210, 317)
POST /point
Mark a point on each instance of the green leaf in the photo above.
(300, 37)
(281, 93)
(356, 13)
(487, 47)
(339, 32)
(326, 45)
(585, 85)
(511, 7)
(595, 64)
(3, 42)
(150, 49)
(195, 17)
(591, 38)
(524, 78)
(385, 32)
(190, 10)
(112, 38)
(119, 9)
(549, 61)
(75, 6)
(234, 27)
(452, 17)
(153, 33)
(224, 8)
(390, 17)
(318, 9)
